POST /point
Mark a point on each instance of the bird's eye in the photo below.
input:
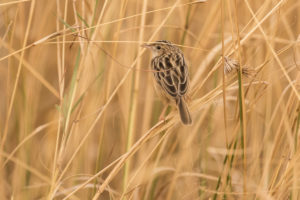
(158, 47)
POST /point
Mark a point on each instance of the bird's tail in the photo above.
(184, 111)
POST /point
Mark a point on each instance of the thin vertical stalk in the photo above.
(134, 100)
(61, 89)
(241, 106)
(186, 25)
(61, 83)
(224, 77)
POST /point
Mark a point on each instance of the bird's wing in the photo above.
(171, 74)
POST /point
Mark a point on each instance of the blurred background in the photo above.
(79, 117)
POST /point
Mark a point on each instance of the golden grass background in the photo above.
(79, 117)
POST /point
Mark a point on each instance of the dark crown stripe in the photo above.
(164, 41)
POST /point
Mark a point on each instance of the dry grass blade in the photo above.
(13, 2)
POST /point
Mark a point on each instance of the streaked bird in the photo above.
(171, 75)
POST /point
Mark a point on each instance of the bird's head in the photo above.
(159, 47)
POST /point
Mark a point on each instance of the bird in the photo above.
(171, 76)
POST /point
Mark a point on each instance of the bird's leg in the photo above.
(162, 115)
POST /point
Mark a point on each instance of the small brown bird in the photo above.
(171, 75)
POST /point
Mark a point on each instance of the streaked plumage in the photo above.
(171, 75)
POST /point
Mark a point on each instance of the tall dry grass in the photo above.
(79, 118)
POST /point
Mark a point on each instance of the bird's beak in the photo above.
(145, 45)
